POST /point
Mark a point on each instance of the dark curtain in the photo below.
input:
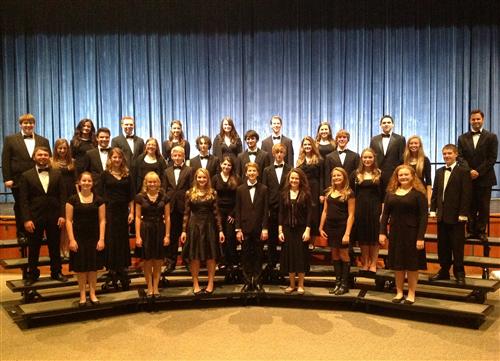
(427, 63)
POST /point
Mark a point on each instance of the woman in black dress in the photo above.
(85, 224)
(405, 210)
(175, 138)
(227, 142)
(150, 161)
(336, 225)
(83, 140)
(415, 157)
(201, 229)
(152, 220)
(295, 229)
(118, 191)
(225, 184)
(365, 182)
(62, 161)
(312, 164)
(324, 139)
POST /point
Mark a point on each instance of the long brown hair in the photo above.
(182, 140)
(316, 156)
(373, 169)
(56, 162)
(77, 136)
(124, 172)
(407, 156)
(304, 190)
(233, 134)
(234, 180)
(330, 135)
(416, 182)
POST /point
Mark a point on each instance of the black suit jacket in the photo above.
(274, 185)
(212, 164)
(457, 196)
(482, 159)
(166, 149)
(36, 205)
(15, 156)
(392, 158)
(93, 165)
(177, 192)
(332, 160)
(261, 158)
(267, 145)
(250, 217)
(121, 142)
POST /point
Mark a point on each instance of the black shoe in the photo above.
(95, 302)
(22, 240)
(198, 293)
(82, 304)
(245, 288)
(483, 237)
(408, 302)
(398, 300)
(460, 279)
(59, 277)
(440, 276)
(207, 292)
(258, 287)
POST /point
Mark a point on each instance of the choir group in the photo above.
(85, 197)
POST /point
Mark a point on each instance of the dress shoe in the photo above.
(398, 300)
(408, 302)
(198, 293)
(22, 240)
(440, 276)
(460, 279)
(82, 304)
(59, 277)
(157, 296)
(207, 292)
(95, 302)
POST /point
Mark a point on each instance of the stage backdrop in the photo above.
(427, 63)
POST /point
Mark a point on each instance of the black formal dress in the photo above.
(314, 174)
(336, 221)
(78, 153)
(86, 231)
(368, 196)
(407, 217)
(226, 201)
(202, 225)
(325, 149)
(152, 226)
(294, 217)
(221, 149)
(69, 179)
(426, 172)
(142, 168)
(117, 193)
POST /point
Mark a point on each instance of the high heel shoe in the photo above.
(398, 300)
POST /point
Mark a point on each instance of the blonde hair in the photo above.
(123, 167)
(373, 169)
(55, 162)
(345, 191)
(149, 176)
(416, 182)
(316, 156)
(195, 193)
(407, 156)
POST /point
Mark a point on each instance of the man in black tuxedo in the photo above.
(204, 159)
(478, 148)
(178, 180)
(42, 209)
(340, 157)
(450, 203)
(277, 137)
(131, 145)
(252, 154)
(251, 219)
(96, 158)
(274, 178)
(17, 157)
(389, 148)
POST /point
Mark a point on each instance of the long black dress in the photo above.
(202, 224)
(325, 149)
(78, 153)
(117, 194)
(367, 214)
(142, 168)
(407, 216)
(294, 217)
(86, 231)
(152, 226)
(426, 172)
(315, 178)
(336, 221)
(220, 148)
(69, 178)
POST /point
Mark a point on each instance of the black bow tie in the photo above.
(276, 138)
(204, 156)
(341, 151)
(448, 169)
(278, 165)
(475, 133)
(250, 186)
(104, 150)
(386, 135)
(129, 137)
(252, 153)
(177, 166)
(27, 136)
(41, 170)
